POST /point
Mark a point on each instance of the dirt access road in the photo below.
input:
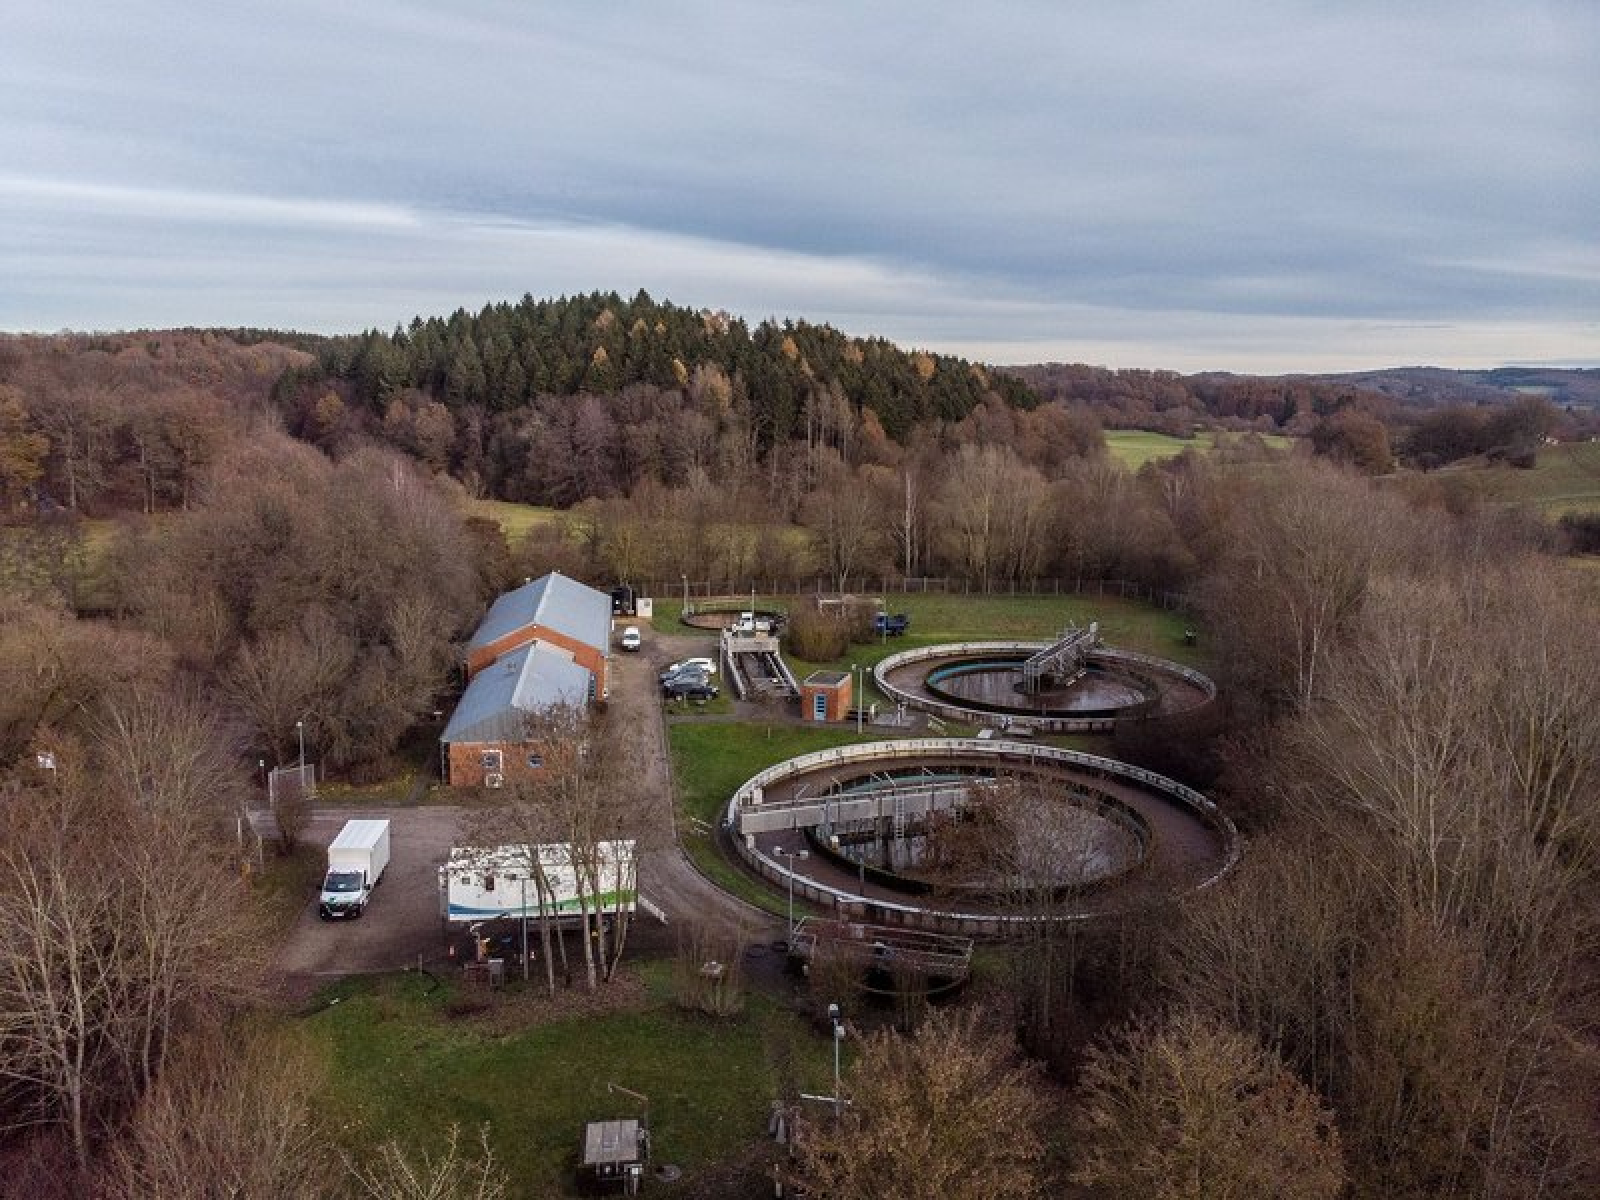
(401, 925)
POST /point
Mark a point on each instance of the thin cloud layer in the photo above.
(1245, 186)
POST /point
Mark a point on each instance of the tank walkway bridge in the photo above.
(755, 669)
(1061, 662)
(899, 800)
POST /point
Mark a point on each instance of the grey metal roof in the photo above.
(522, 681)
(564, 605)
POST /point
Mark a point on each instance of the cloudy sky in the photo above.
(1254, 186)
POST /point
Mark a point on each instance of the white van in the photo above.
(631, 639)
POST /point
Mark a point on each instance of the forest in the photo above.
(211, 537)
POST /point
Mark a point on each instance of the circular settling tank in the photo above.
(1027, 685)
(1048, 841)
(998, 685)
(973, 836)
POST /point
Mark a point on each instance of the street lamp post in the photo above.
(300, 729)
(686, 595)
(791, 855)
(525, 973)
(859, 697)
(838, 1036)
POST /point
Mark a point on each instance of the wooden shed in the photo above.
(826, 696)
(615, 1152)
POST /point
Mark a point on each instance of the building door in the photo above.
(819, 706)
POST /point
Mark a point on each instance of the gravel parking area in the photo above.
(400, 924)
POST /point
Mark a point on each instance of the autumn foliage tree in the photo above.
(314, 592)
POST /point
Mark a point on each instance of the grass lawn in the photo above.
(1566, 479)
(406, 1061)
(515, 520)
(939, 618)
(1135, 447)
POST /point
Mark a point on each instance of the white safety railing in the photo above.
(1042, 724)
(783, 874)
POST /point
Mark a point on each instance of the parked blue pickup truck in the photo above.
(894, 625)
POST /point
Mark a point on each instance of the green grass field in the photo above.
(515, 520)
(407, 1058)
(1135, 447)
(1566, 479)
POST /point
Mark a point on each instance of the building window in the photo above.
(488, 883)
(491, 760)
(536, 761)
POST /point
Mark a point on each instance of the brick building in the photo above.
(546, 643)
(551, 609)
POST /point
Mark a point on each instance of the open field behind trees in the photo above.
(515, 520)
(1135, 447)
(1565, 479)
(409, 1056)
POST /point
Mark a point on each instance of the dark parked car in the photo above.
(894, 625)
(685, 677)
(689, 689)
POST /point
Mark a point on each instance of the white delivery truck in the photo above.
(356, 860)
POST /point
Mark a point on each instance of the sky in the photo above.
(1286, 185)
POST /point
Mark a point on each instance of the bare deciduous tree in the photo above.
(1189, 1109)
(233, 1114)
(64, 1002)
(582, 798)
(401, 1173)
(951, 1111)
(1305, 544)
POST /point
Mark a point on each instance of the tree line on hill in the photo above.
(558, 402)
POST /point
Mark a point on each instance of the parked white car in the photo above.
(631, 639)
(707, 665)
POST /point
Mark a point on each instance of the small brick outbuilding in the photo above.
(826, 696)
